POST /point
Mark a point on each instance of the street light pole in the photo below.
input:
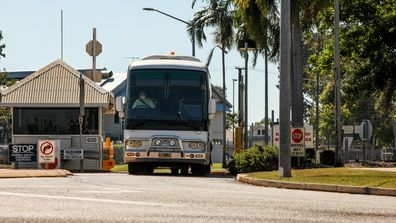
(180, 20)
(285, 93)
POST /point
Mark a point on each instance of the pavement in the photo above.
(322, 187)
(25, 173)
(109, 197)
(387, 169)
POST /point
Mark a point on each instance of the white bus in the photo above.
(168, 109)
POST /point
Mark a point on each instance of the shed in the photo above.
(45, 105)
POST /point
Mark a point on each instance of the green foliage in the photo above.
(256, 158)
(118, 153)
(232, 120)
(368, 58)
(216, 14)
(2, 46)
(327, 157)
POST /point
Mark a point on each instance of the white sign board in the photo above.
(309, 134)
(275, 137)
(73, 154)
(348, 129)
(297, 142)
(46, 151)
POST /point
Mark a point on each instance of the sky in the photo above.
(32, 34)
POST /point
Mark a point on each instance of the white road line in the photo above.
(88, 199)
(106, 192)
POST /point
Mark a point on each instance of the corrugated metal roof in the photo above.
(55, 85)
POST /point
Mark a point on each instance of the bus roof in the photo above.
(169, 62)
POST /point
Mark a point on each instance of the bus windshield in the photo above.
(168, 99)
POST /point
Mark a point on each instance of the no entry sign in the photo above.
(297, 145)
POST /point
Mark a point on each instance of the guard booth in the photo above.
(45, 106)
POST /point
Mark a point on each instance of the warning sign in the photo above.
(297, 145)
(46, 151)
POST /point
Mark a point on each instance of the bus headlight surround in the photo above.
(134, 143)
(197, 145)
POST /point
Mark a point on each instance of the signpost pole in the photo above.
(94, 56)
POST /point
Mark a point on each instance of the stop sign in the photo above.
(297, 135)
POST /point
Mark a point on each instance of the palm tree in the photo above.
(217, 14)
(260, 19)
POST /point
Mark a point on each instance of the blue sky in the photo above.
(31, 31)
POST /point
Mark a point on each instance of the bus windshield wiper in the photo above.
(185, 123)
(143, 122)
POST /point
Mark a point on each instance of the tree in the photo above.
(260, 20)
(2, 46)
(5, 113)
(367, 64)
(218, 15)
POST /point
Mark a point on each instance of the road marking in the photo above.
(88, 199)
(106, 192)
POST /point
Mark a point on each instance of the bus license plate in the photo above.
(165, 155)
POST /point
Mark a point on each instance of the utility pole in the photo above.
(224, 108)
(62, 35)
(285, 93)
(246, 142)
(233, 109)
(240, 96)
(337, 75)
(317, 114)
(266, 97)
(272, 127)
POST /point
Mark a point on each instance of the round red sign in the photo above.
(297, 135)
(46, 148)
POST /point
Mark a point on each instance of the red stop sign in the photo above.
(297, 135)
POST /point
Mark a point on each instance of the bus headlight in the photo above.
(134, 144)
(197, 145)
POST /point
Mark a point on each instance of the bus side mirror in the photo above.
(119, 104)
(212, 108)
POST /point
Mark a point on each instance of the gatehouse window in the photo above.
(54, 121)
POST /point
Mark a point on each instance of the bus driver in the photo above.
(143, 102)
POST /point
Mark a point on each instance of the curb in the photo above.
(12, 173)
(317, 187)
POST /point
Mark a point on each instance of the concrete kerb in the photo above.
(316, 187)
(12, 173)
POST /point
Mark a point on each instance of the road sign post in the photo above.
(365, 133)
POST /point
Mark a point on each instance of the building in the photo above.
(45, 106)
(112, 124)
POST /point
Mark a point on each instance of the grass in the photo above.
(339, 176)
(124, 168)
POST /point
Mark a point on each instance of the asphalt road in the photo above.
(163, 198)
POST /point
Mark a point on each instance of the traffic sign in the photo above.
(89, 48)
(22, 153)
(46, 151)
(365, 130)
(73, 154)
(297, 144)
